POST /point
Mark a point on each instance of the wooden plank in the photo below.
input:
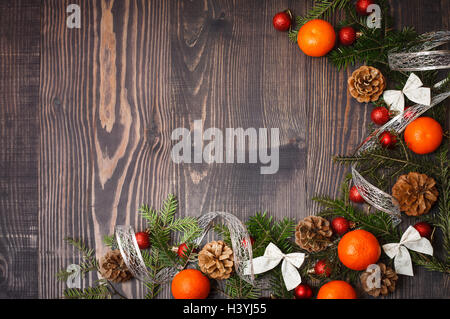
(337, 125)
(113, 91)
(425, 16)
(101, 143)
(19, 126)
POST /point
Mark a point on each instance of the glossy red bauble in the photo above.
(424, 229)
(361, 6)
(143, 240)
(282, 21)
(388, 140)
(322, 268)
(303, 291)
(355, 196)
(380, 115)
(347, 35)
(341, 225)
(182, 249)
(244, 241)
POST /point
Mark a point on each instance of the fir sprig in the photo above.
(237, 288)
(88, 264)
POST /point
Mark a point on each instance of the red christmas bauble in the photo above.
(322, 268)
(361, 6)
(407, 114)
(282, 21)
(424, 229)
(347, 35)
(303, 291)
(244, 241)
(388, 140)
(182, 249)
(380, 115)
(341, 225)
(355, 196)
(143, 240)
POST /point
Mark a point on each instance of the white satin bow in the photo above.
(271, 258)
(412, 240)
(413, 90)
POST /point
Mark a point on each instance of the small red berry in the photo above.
(143, 240)
(341, 225)
(424, 229)
(387, 139)
(347, 35)
(361, 6)
(303, 291)
(182, 249)
(407, 114)
(355, 196)
(322, 268)
(244, 241)
(380, 115)
(282, 20)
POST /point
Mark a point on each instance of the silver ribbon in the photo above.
(419, 58)
(242, 254)
(131, 254)
(371, 194)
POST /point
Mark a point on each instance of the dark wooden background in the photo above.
(86, 116)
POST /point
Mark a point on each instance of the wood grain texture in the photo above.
(19, 131)
(112, 92)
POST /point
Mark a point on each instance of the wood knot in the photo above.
(152, 135)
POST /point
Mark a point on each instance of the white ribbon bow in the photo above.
(412, 240)
(272, 257)
(413, 90)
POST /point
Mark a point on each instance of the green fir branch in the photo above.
(99, 292)
(237, 288)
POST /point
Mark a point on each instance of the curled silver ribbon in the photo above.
(419, 58)
(131, 254)
(242, 253)
(407, 61)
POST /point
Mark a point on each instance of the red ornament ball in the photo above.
(347, 35)
(341, 225)
(282, 21)
(244, 241)
(143, 240)
(424, 229)
(380, 115)
(355, 196)
(322, 268)
(303, 291)
(387, 139)
(182, 249)
(361, 6)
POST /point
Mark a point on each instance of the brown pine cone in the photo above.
(216, 260)
(415, 193)
(387, 285)
(366, 84)
(112, 267)
(313, 233)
